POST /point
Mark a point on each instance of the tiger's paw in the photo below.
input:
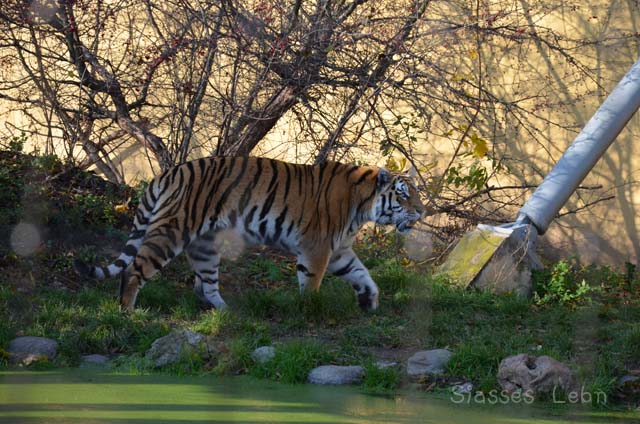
(81, 268)
(207, 306)
(368, 299)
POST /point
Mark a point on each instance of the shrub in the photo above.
(380, 380)
(560, 285)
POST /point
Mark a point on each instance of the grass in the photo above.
(598, 339)
(380, 380)
(90, 323)
(294, 361)
(596, 332)
(334, 303)
(238, 360)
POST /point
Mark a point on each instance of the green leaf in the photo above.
(480, 146)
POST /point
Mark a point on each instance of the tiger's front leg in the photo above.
(346, 265)
(311, 267)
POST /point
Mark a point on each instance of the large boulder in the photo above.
(27, 350)
(536, 375)
(428, 362)
(334, 374)
(497, 259)
(170, 348)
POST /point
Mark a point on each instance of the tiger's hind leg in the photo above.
(346, 265)
(205, 261)
(154, 254)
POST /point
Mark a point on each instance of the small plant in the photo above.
(376, 331)
(42, 364)
(186, 309)
(377, 247)
(401, 298)
(474, 178)
(212, 322)
(560, 286)
(238, 358)
(393, 278)
(266, 269)
(193, 360)
(601, 387)
(478, 358)
(4, 358)
(95, 209)
(333, 303)
(380, 380)
(264, 303)
(16, 143)
(139, 190)
(51, 164)
(133, 364)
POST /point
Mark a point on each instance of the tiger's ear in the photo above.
(383, 179)
(412, 172)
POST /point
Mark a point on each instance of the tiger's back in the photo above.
(310, 211)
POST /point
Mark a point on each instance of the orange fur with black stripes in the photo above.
(313, 212)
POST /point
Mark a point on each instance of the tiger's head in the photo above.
(398, 202)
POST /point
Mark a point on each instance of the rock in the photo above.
(476, 263)
(94, 360)
(428, 362)
(263, 354)
(511, 266)
(27, 350)
(628, 389)
(627, 379)
(537, 375)
(334, 374)
(170, 348)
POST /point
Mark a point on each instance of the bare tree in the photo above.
(401, 79)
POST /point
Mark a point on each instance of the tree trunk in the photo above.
(249, 130)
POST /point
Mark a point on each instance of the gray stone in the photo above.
(95, 360)
(536, 375)
(627, 379)
(627, 389)
(27, 350)
(428, 362)
(334, 374)
(170, 348)
(263, 354)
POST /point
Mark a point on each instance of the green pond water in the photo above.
(90, 396)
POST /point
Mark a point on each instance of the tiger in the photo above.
(311, 211)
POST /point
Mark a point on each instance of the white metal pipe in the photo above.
(594, 139)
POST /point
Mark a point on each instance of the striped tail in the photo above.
(136, 237)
